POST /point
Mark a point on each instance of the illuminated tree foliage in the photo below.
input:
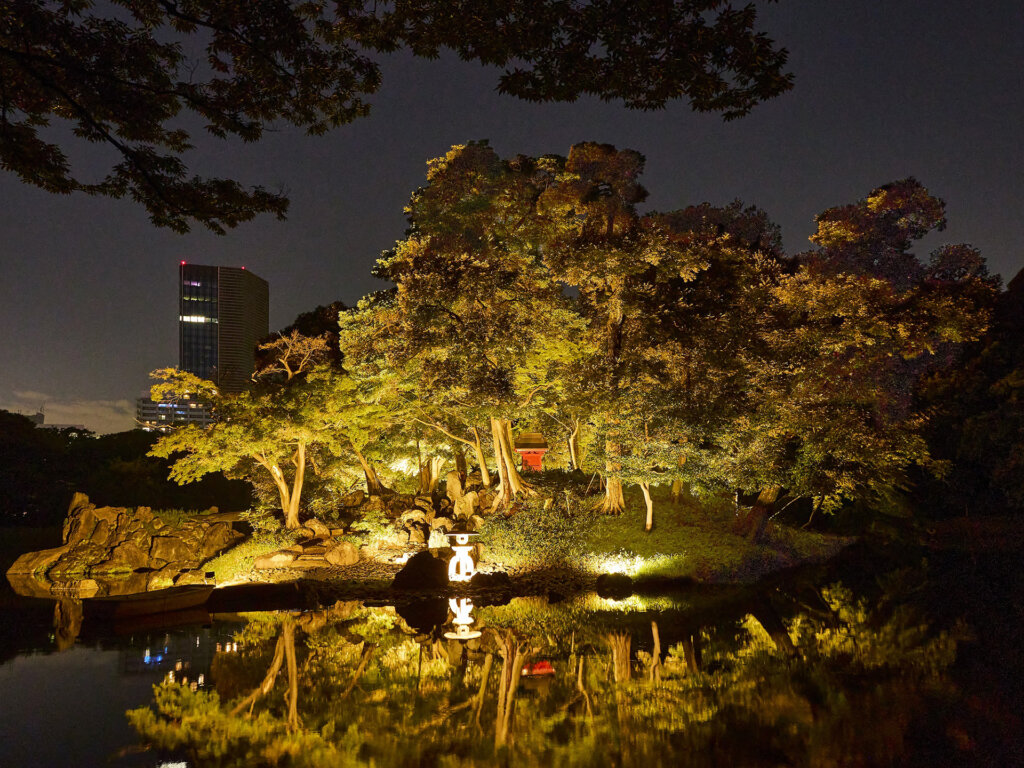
(690, 346)
(122, 75)
(854, 329)
(275, 433)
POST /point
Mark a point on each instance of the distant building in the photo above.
(39, 419)
(223, 312)
(159, 416)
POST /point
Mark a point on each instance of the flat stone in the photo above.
(274, 560)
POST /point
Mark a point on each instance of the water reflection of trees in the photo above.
(833, 683)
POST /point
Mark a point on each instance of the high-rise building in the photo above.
(223, 313)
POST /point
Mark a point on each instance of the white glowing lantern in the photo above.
(461, 567)
(463, 620)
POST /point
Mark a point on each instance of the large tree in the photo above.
(136, 76)
(476, 328)
(852, 332)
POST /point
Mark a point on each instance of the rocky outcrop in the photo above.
(122, 550)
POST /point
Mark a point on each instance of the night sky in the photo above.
(884, 90)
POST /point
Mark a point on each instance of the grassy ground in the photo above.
(691, 539)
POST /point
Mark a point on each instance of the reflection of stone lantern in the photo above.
(463, 621)
(531, 446)
(461, 567)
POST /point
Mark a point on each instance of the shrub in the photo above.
(534, 537)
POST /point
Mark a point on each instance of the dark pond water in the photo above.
(874, 661)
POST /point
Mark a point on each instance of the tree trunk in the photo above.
(285, 493)
(620, 644)
(815, 506)
(481, 460)
(766, 615)
(288, 634)
(753, 524)
(292, 517)
(485, 675)
(691, 652)
(513, 658)
(614, 502)
(677, 484)
(268, 680)
(460, 462)
(374, 487)
(574, 446)
(649, 502)
(511, 481)
(430, 474)
(656, 654)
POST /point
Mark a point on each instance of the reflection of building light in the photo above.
(145, 658)
(170, 676)
(202, 679)
(197, 319)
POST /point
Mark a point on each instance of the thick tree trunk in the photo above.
(374, 487)
(513, 658)
(614, 502)
(481, 460)
(649, 502)
(620, 644)
(291, 520)
(753, 524)
(511, 481)
(430, 474)
(288, 634)
(766, 615)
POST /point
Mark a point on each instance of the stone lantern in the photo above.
(531, 446)
(463, 621)
(461, 567)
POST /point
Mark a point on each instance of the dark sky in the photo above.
(884, 89)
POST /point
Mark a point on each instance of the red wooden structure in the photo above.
(532, 446)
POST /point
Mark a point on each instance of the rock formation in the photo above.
(114, 550)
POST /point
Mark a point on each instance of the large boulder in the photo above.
(117, 548)
(422, 571)
(345, 553)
